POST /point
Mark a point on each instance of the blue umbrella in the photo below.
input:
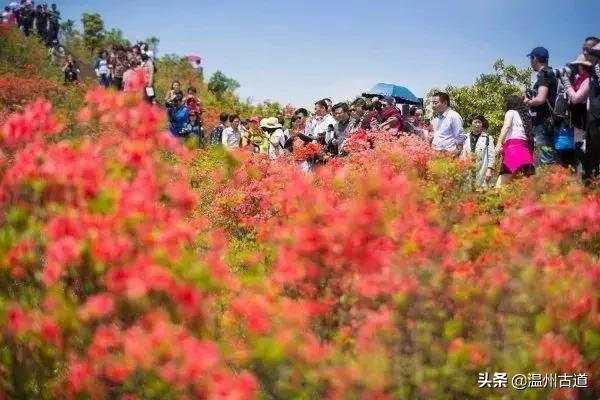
(400, 93)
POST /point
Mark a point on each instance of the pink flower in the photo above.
(253, 311)
(51, 332)
(80, 375)
(18, 321)
(97, 306)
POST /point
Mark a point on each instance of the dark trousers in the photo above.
(117, 82)
(592, 150)
(545, 135)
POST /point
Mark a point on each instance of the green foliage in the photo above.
(19, 52)
(269, 109)
(153, 42)
(68, 28)
(220, 84)
(487, 95)
(93, 31)
(115, 37)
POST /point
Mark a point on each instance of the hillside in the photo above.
(27, 74)
(132, 267)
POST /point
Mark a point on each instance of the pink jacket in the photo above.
(578, 94)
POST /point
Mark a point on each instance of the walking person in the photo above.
(232, 136)
(119, 65)
(71, 70)
(575, 78)
(515, 143)
(102, 69)
(591, 49)
(449, 134)
(41, 22)
(148, 68)
(479, 146)
(27, 18)
(541, 100)
(53, 23)
(128, 76)
(216, 135)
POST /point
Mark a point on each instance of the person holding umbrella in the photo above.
(390, 117)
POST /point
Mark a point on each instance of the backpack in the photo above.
(560, 109)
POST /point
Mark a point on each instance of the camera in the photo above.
(530, 94)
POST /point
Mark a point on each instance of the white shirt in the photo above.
(276, 143)
(231, 138)
(318, 125)
(449, 134)
(516, 129)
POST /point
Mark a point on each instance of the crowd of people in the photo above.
(116, 66)
(557, 121)
(32, 18)
(330, 125)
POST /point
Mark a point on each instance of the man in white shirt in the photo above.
(318, 126)
(232, 136)
(449, 134)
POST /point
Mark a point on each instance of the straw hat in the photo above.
(581, 60)
(270, 123)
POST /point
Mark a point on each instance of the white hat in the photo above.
(581, 60)
(270, 123)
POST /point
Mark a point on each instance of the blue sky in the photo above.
(304, 50)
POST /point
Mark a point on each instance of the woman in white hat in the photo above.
(273, 132)
(576, 80)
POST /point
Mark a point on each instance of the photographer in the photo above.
(174, 96)
(539, 101)
(591, 50)
(317, 126)
(342, 128)
(575, 78)
(273, 132)
(71, 70)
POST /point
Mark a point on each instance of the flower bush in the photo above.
(103, 292)
(407, 283)
(131, 267)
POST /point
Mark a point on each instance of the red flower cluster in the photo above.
(102, 230)
(343, 283)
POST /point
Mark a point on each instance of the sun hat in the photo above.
(270, 123)
(581, 60)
